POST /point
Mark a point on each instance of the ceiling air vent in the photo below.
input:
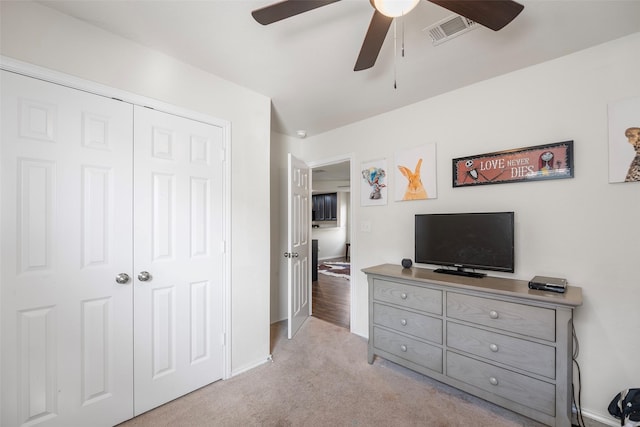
(449, 28)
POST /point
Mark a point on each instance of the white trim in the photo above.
(352, 240)
(609, 421)
(226, 290)
(45, 74)
(62, 79)
(252, 366)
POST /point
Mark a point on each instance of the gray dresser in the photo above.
(492, 337)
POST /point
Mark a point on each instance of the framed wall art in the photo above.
(415, 174)
(549, 161)
(624, 140)
(373, 185)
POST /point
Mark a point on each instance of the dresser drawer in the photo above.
(409, 349)
(523, 319)
(419, 325)
(416, 297)
(527, 391)
(529, 356)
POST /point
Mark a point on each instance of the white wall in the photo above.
(331, 242)
(36, 34)
(584, 228)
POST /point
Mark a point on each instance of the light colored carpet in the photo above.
(322, 378)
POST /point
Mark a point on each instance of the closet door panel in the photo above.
(66, 231)
(178, 166)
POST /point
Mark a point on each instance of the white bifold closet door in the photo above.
(94, 193)
(178, 219)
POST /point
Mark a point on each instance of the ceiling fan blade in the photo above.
(493, 14)
(286, 9)
(372, 43)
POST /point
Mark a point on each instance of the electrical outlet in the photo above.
(365, 226)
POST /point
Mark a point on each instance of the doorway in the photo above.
(331, 235)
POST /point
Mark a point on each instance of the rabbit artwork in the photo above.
(415, 190)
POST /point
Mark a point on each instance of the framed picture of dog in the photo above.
(624, 140)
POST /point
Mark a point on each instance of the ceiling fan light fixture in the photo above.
(394, 8)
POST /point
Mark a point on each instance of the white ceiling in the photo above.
(305, 63)
(334, 172)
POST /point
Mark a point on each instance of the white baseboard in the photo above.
(602, 419)
(251, 366)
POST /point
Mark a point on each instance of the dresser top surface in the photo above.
(495, 285)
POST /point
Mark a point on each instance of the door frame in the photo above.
(351, 236)
(41, 73)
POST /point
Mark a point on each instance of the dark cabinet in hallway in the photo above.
(325, 207)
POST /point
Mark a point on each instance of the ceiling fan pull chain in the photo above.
(395, 53)
(402, 35)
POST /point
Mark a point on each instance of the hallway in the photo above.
(331, 298)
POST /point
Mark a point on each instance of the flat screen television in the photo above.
(483, 240)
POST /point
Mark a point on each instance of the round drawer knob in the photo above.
(403, 347)
(403, 322)
(403, 295)
(493, 347)
(493, 380)
(493, 314)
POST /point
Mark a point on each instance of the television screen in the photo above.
(482, 241)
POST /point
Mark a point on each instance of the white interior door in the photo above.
(298, 244)
(178, 205)
(66, 227)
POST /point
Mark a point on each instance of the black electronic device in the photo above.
(482, 240)
(406, 263)
(544, 283)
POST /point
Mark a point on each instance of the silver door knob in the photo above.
(144, 276)
(122, 278)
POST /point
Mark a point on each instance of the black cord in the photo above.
(578, 403)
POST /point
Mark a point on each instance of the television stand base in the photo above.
(460, 272)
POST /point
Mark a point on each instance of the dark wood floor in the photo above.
(331, 299)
